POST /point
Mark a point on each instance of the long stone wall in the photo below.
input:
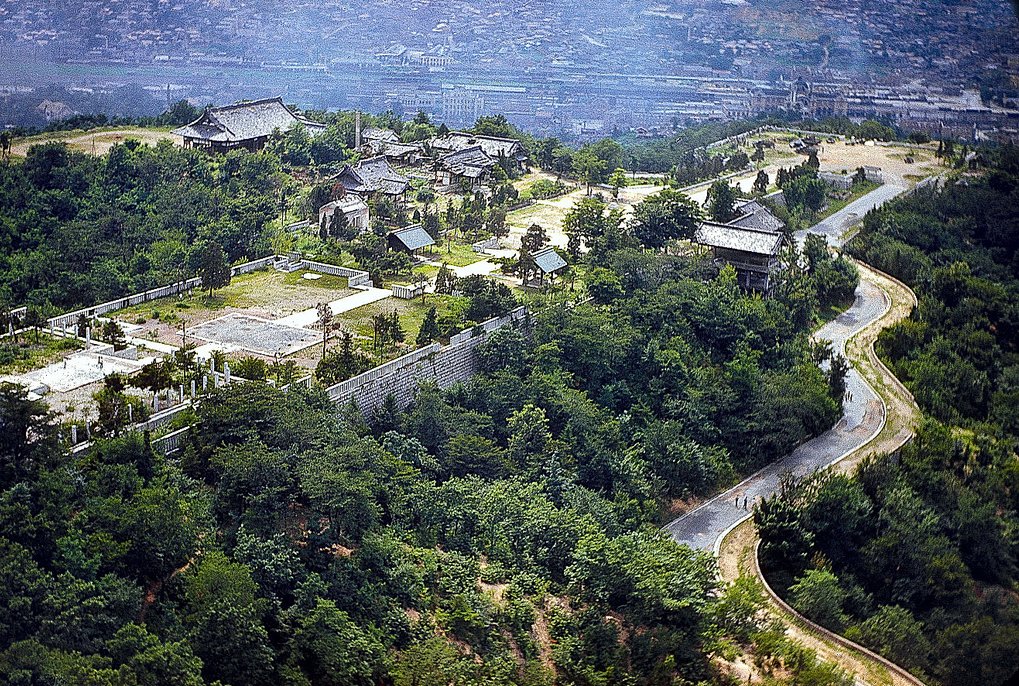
(444, 365)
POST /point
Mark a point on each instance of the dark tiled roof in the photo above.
(413, 237)
(754, 215)
(373, 175)
(470, 162)
(390, 149)
(245, 121)
(375, 133)
(493, 146)
(548, 260)
(738, 238)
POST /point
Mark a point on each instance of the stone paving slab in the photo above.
(255, 335)
(79, 369)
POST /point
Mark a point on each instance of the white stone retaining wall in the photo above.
(407, 292)
(487, 244)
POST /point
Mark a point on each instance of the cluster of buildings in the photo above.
(586, 69)
(460, 161)
(913, 107)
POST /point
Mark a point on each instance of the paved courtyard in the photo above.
(255, 335)
(79, 370)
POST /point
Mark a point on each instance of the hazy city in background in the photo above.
(582, 69)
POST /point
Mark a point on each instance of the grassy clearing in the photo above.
(28, 353)
(410, 312)
(837, 204)
(547, 213)
(456, 253)
(327, 281)
(100, 139)
(427, 270)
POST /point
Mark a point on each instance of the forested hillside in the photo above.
(77, 229)
(918, 555)
(504, 531)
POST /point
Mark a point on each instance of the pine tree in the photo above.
(395, 330)
(445, 281)
(340, 225)
(429, 327)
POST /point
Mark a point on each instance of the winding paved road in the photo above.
(863, 416)
(834, 227)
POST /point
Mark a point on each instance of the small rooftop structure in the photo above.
(842, 182)
(245, 125)
(375, 133)
(545, 262)
(394, 150)
(548, 260)
(410, 239)
(352, 207)
(754, 215)
(371, 176)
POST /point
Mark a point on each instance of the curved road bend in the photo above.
(863, 414)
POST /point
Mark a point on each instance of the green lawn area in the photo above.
(429, 272)
(27, 354)
(328, 281)
(410, 312)
(456, 253)
(837, 204)
(526, 215)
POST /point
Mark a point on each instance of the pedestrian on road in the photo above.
(744, 502)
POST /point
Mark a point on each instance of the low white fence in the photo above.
(487, 244)
(171, 442)
(297, 226)
(70, 319)
(408, 292)
(355, 277)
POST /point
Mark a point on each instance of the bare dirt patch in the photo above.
(96, 142)
(891, 158)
